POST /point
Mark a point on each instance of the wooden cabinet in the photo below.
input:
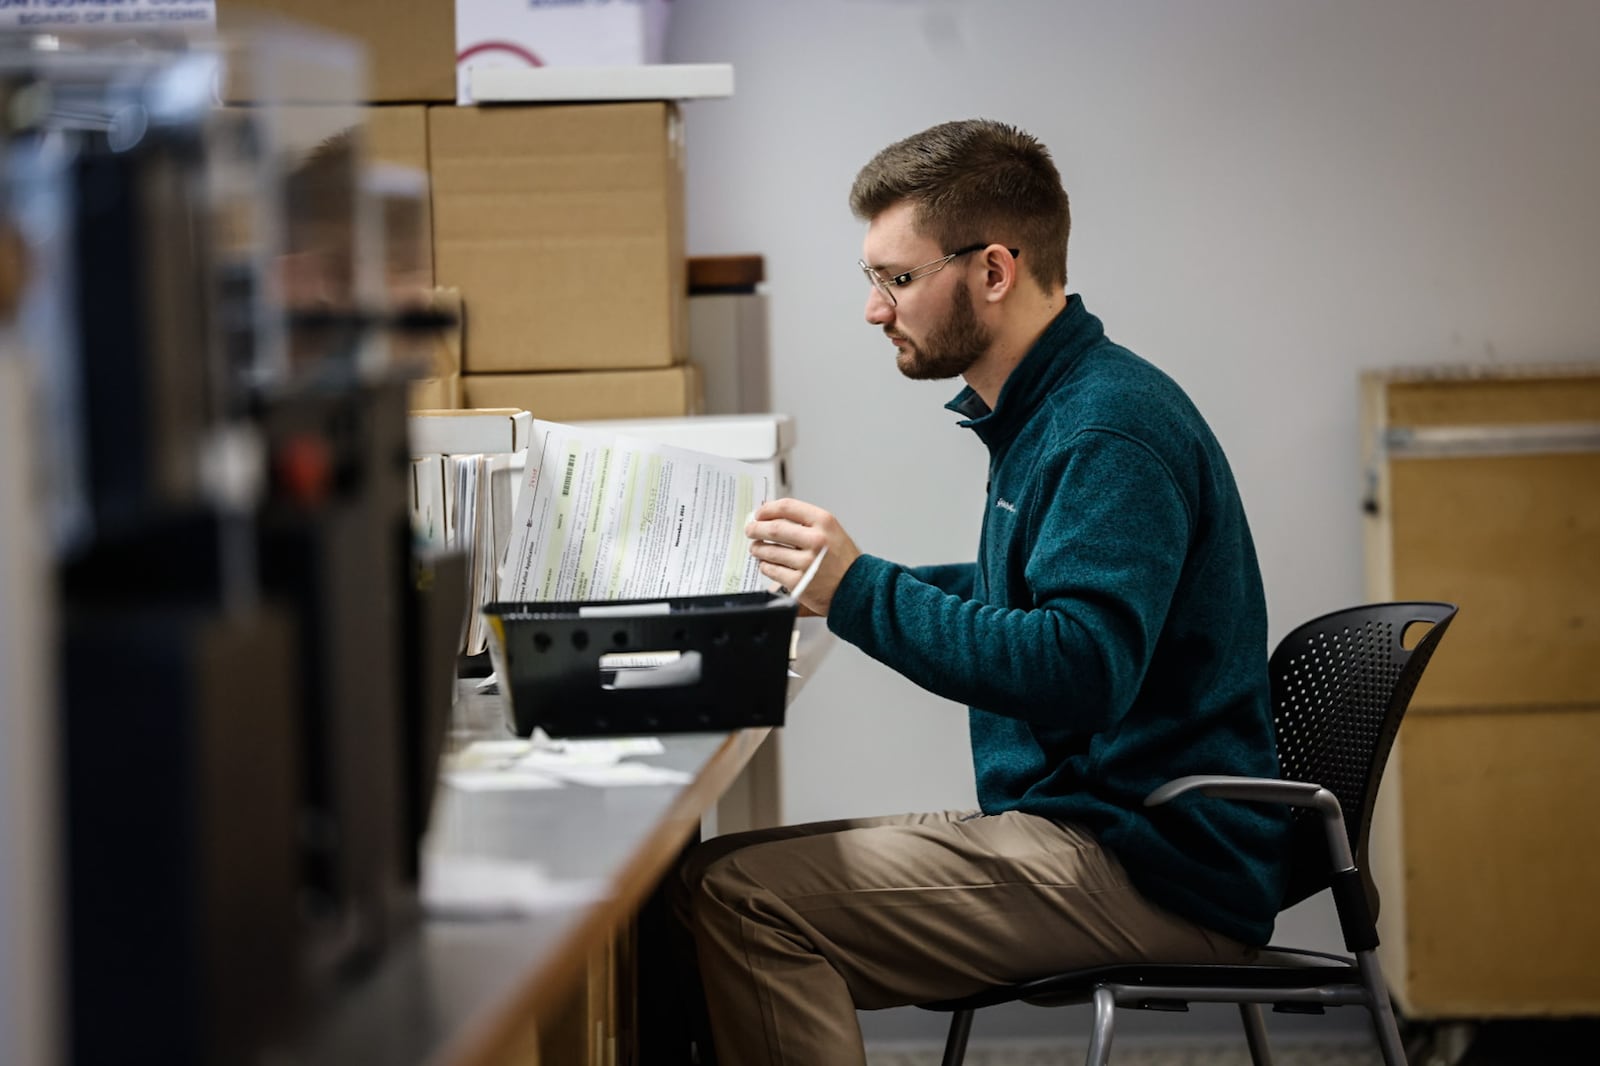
(1484, 490)
(597, 1025)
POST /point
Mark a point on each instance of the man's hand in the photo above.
(787, 535)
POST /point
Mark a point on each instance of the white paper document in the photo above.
(603, 517)
(484, 887)
(516, 766)
(624, 773)
(516, 780)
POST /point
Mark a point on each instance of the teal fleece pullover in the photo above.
(1111, 635)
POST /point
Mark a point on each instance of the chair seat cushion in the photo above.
(1273, 969)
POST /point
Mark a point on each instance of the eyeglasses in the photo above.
(900, 281)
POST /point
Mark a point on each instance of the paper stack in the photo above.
(461, 495)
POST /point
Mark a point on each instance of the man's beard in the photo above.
(953, 346)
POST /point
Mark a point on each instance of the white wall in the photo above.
(1268, 197)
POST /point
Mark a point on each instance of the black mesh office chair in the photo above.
(1340, 685)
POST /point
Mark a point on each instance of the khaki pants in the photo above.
(797, 927)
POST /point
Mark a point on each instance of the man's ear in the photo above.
(999, 273)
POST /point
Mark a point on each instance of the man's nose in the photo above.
(880, 311)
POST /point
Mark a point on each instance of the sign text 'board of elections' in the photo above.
(48, 16)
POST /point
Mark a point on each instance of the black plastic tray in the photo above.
(732, 671)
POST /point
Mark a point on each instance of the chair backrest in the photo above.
(1340, 685)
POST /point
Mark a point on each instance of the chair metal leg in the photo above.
(1383, 1023)
(955, 1043)
(1105, 1007)
(1255, 1033)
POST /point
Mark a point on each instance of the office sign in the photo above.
(52, 16)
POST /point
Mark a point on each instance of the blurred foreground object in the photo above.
(252, 676)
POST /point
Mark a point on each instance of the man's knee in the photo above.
(687, 881)
(683, 881)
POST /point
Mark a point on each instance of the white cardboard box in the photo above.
(470, 431)
(654, 81)
(575, 33)
(728, 340)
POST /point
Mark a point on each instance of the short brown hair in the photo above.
(975, 180)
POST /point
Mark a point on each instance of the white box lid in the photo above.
(746, 437)
(487, 430)
(648, 81)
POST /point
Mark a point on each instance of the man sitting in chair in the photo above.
(1110, 636)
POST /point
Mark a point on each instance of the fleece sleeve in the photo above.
(1066, 633)
(958, 579)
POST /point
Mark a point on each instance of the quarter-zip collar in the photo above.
(1071, 333)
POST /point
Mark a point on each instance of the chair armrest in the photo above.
(1262, 789)
(1267, 790)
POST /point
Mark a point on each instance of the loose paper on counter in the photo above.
(606, 517)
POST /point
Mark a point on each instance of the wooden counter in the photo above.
(475, 990)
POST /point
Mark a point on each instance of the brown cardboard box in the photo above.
(398, 135)
(586, 395)
(446, 349)
(438, 356)
(410, 44)
(392, 135)
(436, 394)
(563, 228)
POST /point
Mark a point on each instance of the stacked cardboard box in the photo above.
(419, 51)
(397, 137)
(563, 228)
(728, 332)
(409, 44)
(440, 387)
(591, 394)
(556, 233)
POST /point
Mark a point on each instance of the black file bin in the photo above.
(558, 664)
